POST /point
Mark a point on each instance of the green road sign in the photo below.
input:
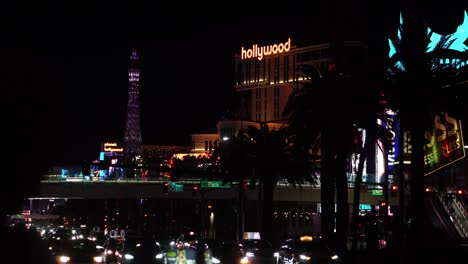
(176, 187)
(377, 192)
(214, 184)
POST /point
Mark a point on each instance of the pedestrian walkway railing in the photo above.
(456, 213)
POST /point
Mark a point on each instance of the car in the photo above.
(142, 250)
(257, 251)
(225, 252)
(307, 249)
(62, 233)
(113, 250)
(75, 251)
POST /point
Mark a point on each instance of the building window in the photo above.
(285, 68)
(277, 69)
(276, 103)
(264, 77)
(247, 70)
(269, 70)
(240, 80)
(256, 71)
(265, 99)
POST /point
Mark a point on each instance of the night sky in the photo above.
(66, 67)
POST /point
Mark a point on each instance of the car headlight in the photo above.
(249, 254)
(109, 252)
(159, 256)
(334, 257)
(244, 260)
(97, 259)
(63, 259)
(215, 260)
(304, 257)
(128, 256)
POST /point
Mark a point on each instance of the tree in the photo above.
(264, 155)
(414, 65)
(363, 151)
(274, 160)
(307, 134)
(234, 159)
(321, 93)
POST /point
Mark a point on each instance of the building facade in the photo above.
(266, 75)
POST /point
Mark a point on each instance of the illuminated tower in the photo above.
(132, 136)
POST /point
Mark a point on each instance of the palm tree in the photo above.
(264, 155)
(234, 161)
(305, 126)
(364, 149)
(312, 108)
(416, 67)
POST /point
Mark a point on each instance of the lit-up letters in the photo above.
(445, 143)
(112, 147)
(259, 52)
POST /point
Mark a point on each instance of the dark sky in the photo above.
(66, 65)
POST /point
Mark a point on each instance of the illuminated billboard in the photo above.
(260, 52)
(112, 149)
(445, 143)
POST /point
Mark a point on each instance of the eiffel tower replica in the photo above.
(132, 140)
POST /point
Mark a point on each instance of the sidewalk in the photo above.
(382, 256)
(433, 255)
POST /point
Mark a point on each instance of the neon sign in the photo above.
(112, 147)
(458, 37)
(259, 52)
(445, 143)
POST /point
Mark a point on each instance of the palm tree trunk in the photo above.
(240, 211)
(357, 193)
(385, 182)
(268, 195)
(329, 162)
(327, 185)
(401, 216)
(417, 187)
(415, 48)
(344, 138)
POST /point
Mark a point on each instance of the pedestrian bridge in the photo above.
(153, 188)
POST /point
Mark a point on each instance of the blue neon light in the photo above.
(458, 38)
